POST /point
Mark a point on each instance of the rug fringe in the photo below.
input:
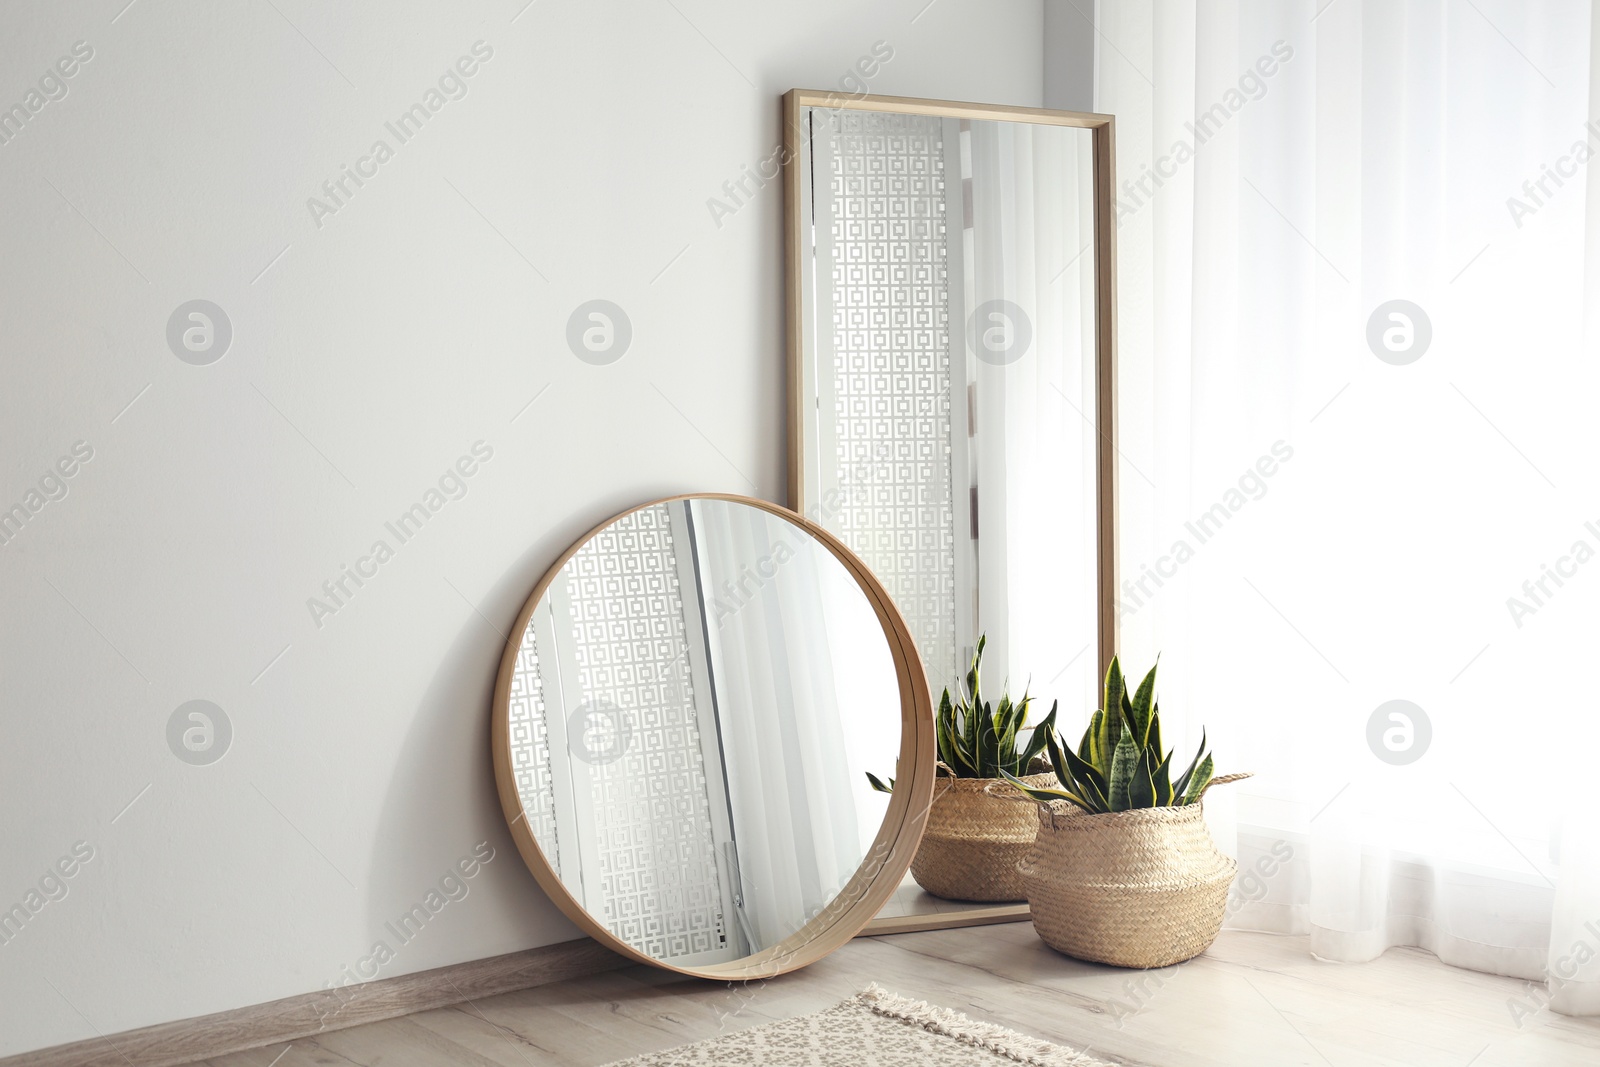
(991, 1036)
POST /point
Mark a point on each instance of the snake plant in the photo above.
(977, 739)
(1119, 765)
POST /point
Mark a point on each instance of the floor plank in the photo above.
(1252, 999)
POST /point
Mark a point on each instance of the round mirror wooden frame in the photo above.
(885, 865)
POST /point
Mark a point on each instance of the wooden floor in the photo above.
(1252, 999)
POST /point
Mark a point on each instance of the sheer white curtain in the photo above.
(799, 664)
(1028, 275)
(1353, 501)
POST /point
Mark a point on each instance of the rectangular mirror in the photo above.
(951, 343)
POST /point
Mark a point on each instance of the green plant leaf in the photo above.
(988, 743)
(971, 715)
(1096, 796)
(978, 739)
(1142, 790)
(1006, 752)
(942, 730)
(1089, 750)
(956, 755)
(1088, 782)
(1123, 764)
(1036, 740)
(1111, 716)
(972, 671)
(1183, 781)
(1163, 781)
(878, 785)
(1139, 709)
(965, 764)
(1201, 779)
(1005, 731)
(1116, 686)
(1058, 765)
(1046, 794)
(1081, 771)
(1128, 728)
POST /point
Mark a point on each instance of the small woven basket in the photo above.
(975, 839)
(1144, 888)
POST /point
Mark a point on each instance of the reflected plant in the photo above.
(978, 739)
(1119, 765)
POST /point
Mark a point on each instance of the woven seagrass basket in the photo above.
(975, 839)
(1144, 888)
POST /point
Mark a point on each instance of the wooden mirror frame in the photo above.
(1103, 145)
(885, 865)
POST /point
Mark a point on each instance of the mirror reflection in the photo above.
(679, 713)
(947, 356)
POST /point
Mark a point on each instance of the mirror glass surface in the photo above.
(678, 714)
(945, 424)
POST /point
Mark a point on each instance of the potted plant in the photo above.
(975, 839)
(1123, 870)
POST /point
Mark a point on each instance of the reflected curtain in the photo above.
(1028, 273)
(1355, 252)
(776, 605)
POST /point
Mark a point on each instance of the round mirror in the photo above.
(670, 737)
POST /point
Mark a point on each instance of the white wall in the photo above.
(417, 320)
(1069, 51)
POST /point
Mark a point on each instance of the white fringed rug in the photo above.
(874, 1029)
